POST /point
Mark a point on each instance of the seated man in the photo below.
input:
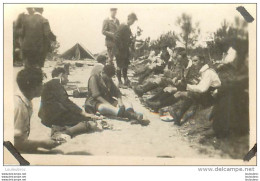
(170, 75)
(166, 97)
(102, 93)
(102, 60)
(30, 85)
(200, 93)
(57, 110)
(156, 66)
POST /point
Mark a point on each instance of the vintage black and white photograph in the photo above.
(161, 81)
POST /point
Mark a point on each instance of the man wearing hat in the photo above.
(123, 41)
(110, 26)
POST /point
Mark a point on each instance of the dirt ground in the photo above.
(159, 139)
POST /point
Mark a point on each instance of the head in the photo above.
(108, 72)
(39, 10)
(198, 61)
(131, 19)
(61, 74)
(177, 51)
(30, 11)
(29, 81)
(113, 12)
(102, 59)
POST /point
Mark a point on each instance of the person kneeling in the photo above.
(59, 112)
(102, 93)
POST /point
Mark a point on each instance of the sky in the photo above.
(82, 23)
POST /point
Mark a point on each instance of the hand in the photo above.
(174, 80)
(214, 93)
(95, 117)
(50, 144)
(92, 116)
(170, 89)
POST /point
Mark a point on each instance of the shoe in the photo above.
(138, 90)
(91, 125)
(155, 105)
(127, 83)
(121, 85)
(144, 122)
(61, 137)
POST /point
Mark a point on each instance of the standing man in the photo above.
(36, 39)
(110, 26)
(123, 41)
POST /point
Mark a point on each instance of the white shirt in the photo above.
(209, 78)
(22, 114)
(170, 53)
(231, 56)
(112, 19)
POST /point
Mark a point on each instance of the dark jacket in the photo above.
(123, 41)
(36, 33)
(98, 87)
(55, 101)
(108, 29)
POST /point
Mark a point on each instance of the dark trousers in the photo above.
(66, 119)
(33, 58)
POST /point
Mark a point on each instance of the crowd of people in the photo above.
(179, 84)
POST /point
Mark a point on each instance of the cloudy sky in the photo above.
(82, 23)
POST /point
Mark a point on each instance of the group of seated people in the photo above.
(181, 80)
(179, 85)
(65, 118)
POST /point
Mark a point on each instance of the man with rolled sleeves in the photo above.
(110, 26)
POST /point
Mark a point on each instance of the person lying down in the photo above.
(104, 97)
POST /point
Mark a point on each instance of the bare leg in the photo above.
(107, 109)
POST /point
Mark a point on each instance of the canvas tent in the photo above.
(77, 52)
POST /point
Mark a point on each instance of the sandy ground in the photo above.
(159, 139)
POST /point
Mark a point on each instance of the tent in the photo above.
(77, 52)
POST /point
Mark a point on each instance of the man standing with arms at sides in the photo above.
(110, 26)
(36, 39)
(123, 41)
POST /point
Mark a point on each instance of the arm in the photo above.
(32, 145)
(203, 85)
(105, 29)
(61, 96)
(47, 30)
(119, 36)
(21, 140)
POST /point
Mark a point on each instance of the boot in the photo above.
(121, 85)
(127, 83)
(154, 105)
(137, 118)
(133, 115)
(140, 90)
(81, 128)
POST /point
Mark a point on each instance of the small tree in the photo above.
(53, 50)
(189, 32)
(168, 39)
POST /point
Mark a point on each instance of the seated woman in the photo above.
(102, 93)
(59, 112)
